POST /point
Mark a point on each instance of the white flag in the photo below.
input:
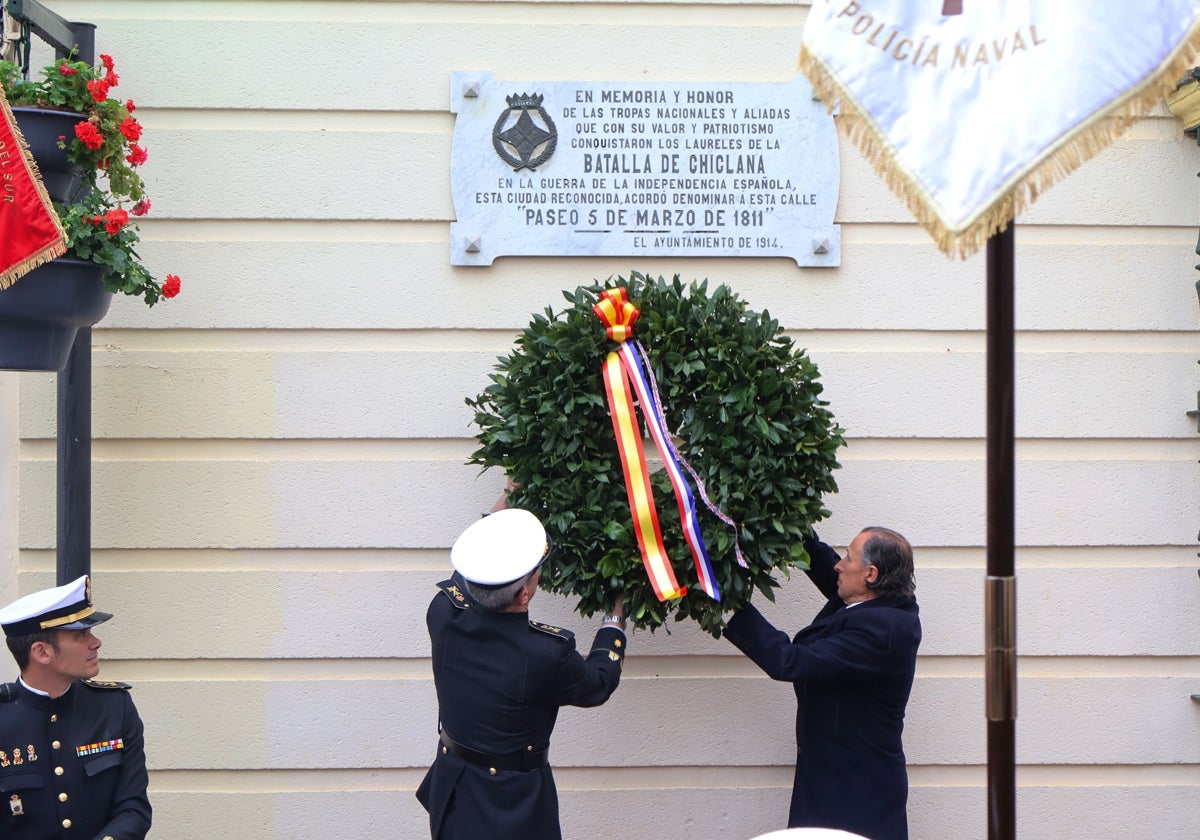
(969, 115)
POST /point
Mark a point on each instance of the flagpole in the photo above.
(1000, 626)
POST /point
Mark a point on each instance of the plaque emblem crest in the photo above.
(524, 136)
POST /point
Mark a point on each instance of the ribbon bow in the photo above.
(621, 368)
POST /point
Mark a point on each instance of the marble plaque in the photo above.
(687, 169)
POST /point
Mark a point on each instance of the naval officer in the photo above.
(501, 678)
(71, 756)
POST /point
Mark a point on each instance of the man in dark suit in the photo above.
(72, 762)
(852, 670)
(501, 678)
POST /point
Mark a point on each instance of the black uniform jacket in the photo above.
(852, 670)
(500, 680)
(73, 766)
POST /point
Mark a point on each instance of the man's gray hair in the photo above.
(890, 553)
(497, 599)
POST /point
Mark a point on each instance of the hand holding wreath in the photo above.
(743, 407)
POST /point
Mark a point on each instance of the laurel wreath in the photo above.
(743, 404)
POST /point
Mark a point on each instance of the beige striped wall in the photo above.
(279, 452)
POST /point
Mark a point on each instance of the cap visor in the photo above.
(92, 620)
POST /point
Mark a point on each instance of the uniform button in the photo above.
(56, 744)
(529, 748)
(62, 797)
(492, 770)
(66, 823)
(54, 718)
(443, 750)
(58, 771)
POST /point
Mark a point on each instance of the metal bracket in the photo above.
(65, 36)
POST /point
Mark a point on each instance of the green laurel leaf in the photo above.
(743, 404)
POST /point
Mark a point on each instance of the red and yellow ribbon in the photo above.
(618, 315)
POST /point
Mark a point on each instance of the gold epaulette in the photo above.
(455, 593)
(109, 685)
(551, 630)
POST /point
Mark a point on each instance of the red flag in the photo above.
(30, 232)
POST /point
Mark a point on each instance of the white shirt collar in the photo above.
(31, 688)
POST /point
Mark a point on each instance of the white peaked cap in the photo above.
(810, 834)
(66, 607)
(501, 548)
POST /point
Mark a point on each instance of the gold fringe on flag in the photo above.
(1056, 162)
(58, 246)
(41, 257)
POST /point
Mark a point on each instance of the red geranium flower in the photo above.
(105, 142)
(131, 128)
(98, 88)
(114, 220)
(89, 135)
(171, 287)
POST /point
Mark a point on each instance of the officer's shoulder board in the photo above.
(551, 630)
(455, 592)
(108, 685)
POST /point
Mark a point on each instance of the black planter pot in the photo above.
(41, 313)
(41, 129)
